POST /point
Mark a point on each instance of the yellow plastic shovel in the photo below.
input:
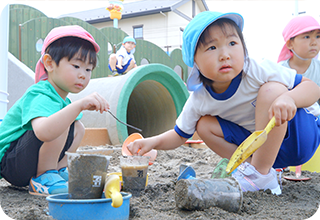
(249, 146)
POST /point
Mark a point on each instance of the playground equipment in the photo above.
(149, 97)
(115, 8)
(4, 61)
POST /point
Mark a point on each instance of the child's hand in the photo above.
(283, 108)
(119, 66)
(140, 146)
(94, 102)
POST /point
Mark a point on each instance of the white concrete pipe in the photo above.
(149, 97)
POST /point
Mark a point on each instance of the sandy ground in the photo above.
(299, 200)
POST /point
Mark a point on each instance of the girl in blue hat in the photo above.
(233, 95)
(123, 61)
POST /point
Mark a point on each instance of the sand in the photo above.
(299, 200)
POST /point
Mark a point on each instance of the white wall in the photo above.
(162, 29)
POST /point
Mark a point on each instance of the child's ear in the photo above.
(47, 62)
(134, 46)
(289, 44)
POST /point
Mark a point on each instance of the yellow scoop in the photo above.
(112, 190)
(249, 146)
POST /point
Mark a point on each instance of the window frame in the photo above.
(134, 34)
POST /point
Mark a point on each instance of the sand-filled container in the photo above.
(134, 173)
(87, 174)
(200, 194)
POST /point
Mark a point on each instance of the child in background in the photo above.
(233, 96)
(123, 61)
(43, 124)
(302, 37)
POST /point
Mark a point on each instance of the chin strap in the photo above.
(299, 56)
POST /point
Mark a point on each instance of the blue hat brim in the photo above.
(191, 35)
(195, 28)
(129, 39)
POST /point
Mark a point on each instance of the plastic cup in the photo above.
(87, 174)
(134, 173)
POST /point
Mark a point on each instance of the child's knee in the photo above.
(113, 57)
(203, 122)
(271, 90)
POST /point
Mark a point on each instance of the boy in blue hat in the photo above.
(123, 61)
(233, 95)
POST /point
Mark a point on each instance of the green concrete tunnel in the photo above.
(149, 97)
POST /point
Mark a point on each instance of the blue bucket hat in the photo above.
(195, 28)
(191, 35)
(129, 39)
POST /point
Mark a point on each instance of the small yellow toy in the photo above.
(112, 190)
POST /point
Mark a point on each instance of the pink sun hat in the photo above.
(296, 26)
(55, 34)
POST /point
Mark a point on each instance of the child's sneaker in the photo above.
(48, 183)
(64, 173)
(115, 73)
(251, 180)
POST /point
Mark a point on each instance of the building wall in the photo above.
(163, 29)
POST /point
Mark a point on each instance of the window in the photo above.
(138, 32)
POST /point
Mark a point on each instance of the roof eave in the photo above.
(205, 5)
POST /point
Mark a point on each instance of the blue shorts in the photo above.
(299, 145)
(124, 68)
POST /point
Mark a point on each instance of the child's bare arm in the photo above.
(166, 141)
(303, 95)
(49, 128)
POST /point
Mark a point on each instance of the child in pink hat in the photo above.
(302, 37)
(43, 124)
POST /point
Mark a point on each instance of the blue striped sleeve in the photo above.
(181, 133)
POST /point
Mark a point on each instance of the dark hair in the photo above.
(222, 23)
(69, 47)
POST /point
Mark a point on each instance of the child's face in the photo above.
(306, 45)
(129, 45)
(70, 76)
(221, 57)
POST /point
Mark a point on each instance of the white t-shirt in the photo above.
(237, 103)
(122, 52)
(313, 72)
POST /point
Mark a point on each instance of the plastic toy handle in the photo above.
(117, 199)
(112, 190)
(270, 125)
